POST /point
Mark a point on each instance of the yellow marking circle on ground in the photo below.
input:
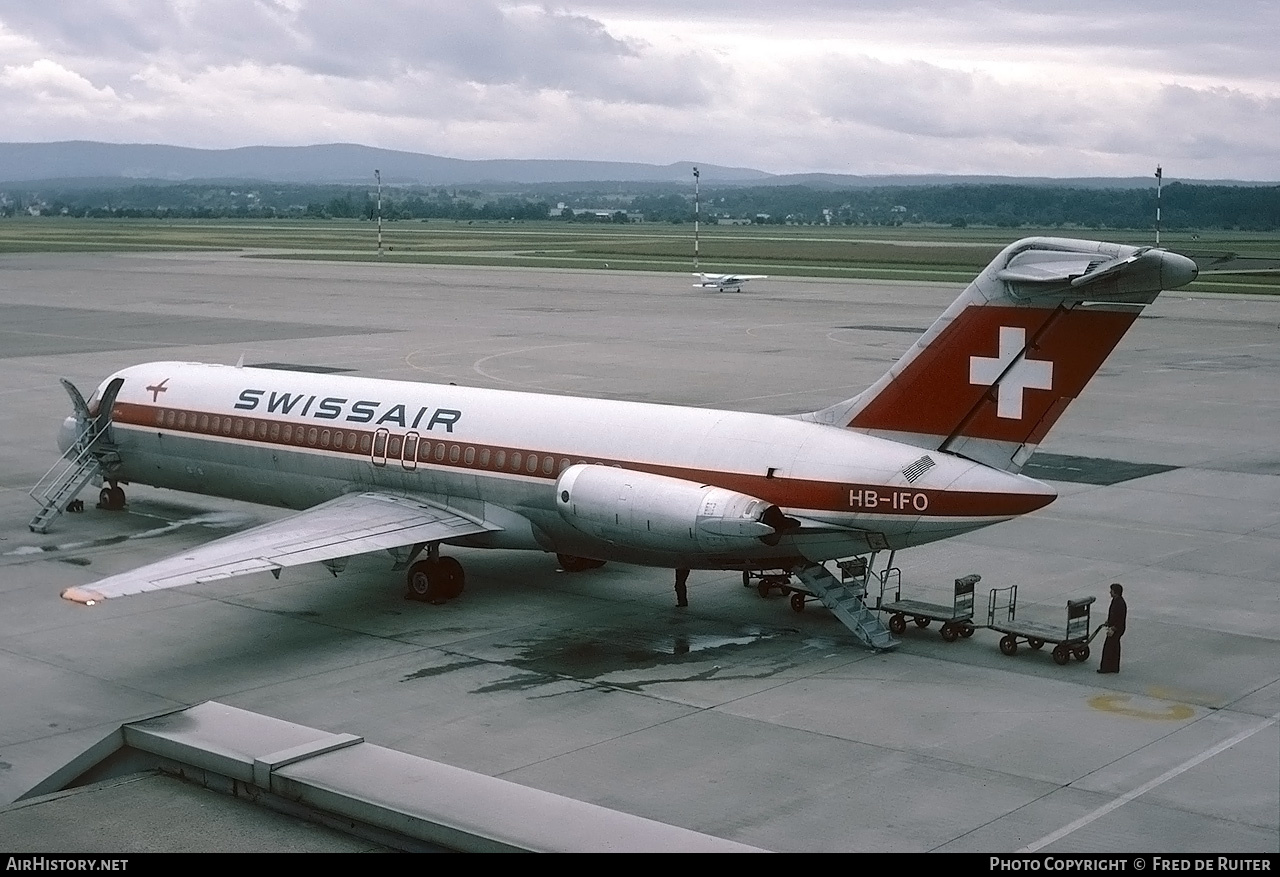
(1117, 703)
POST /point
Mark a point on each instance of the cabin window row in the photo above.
(266, 430)
(411, 447)
(403, 448)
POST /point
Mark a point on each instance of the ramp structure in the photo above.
(339, 780)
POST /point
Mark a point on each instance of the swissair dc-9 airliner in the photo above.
(932, 449)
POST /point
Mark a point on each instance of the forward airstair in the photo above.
(83, 461)
(844, 596)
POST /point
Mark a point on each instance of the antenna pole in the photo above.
(1159, 179)
(377, 174)
(696, 211)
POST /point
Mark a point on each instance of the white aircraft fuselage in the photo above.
(295, 439)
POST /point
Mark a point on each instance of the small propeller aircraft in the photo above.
(725, 282)
(933, 449)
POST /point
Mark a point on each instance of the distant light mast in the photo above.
(1159, 179)
(696, 211)
(377, 175)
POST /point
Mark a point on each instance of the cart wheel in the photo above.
(1081, 654)
(1061, 654)
(921, 622)
(949, 634)
(898, 623)
(1009, 644)
(746, 578)
(966, 631)
(1036, 644)
(763, 589)
(797, 602)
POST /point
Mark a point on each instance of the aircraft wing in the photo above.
(353, 524)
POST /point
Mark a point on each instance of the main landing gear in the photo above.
(111, 498)
(436, 580)
(569, 563)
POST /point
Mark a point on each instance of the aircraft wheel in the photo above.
(569, 563)
(452, 578)
(898, 623)
(1009, 644)
(111, 498)
(921, 622)
(949, 634)
(1081, 654)
(797, 602)
(1036, 644)
(420, 580)
(1061, 654)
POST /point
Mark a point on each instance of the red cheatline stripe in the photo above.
(793, 493)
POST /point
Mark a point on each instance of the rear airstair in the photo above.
(82, 462)
(844, 596)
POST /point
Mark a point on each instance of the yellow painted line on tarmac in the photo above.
(1119, 704)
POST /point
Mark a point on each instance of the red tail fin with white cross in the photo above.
(994, 373)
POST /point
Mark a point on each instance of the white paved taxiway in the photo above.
(735, 717)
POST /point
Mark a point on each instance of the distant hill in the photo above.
(328, 163)
(83, 160)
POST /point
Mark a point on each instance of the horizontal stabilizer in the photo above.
(1234, 263)
(1077, 271)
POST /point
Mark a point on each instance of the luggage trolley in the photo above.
(855, 572)
(957, 619)
(768, 581)
(1071, 641)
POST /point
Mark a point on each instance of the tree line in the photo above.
(1183, 205)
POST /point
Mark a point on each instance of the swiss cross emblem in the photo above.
(1010, 374)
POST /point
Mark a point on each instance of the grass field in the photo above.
(939, 254)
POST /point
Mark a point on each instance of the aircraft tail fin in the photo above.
(994, 373)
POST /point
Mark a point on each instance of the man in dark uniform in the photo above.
(1116, 617)
(682, 592)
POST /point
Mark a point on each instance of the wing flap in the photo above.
(353, 524)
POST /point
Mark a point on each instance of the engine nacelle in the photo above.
(655, 512)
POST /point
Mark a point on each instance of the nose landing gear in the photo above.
(111, 498)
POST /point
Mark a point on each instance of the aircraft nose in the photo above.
(1176, 270)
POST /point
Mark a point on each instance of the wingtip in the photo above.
(85, 596)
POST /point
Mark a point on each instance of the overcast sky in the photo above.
(1030, 88)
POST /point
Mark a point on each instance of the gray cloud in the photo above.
(856, 86)
(480, 42)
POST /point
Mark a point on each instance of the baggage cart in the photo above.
(1070, 641)
(957, 619)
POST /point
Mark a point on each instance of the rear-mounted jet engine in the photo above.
(655, 512)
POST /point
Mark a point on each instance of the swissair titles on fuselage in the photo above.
(338, 408)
